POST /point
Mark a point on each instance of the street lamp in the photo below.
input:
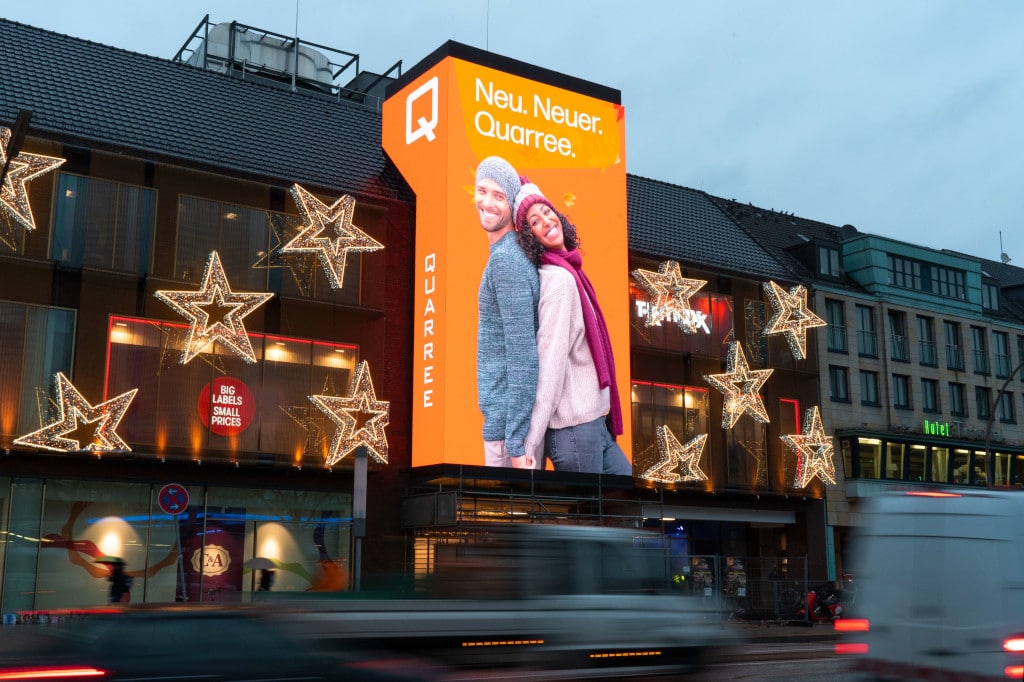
(18, 133)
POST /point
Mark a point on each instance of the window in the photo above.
(683, 409)
(948, 282)
(41, 340)
(929, 395)
(908, 273)
(867, 339)
(1020, 355)
(828, 261)
(898, 336)
(836, 326)
(954, 350)
(957, 399)
(905, 273)
(839, 389)
(979, 350)
(1001, 353)
(989, 296)
(901, 391)
(982, 402)
(102, 224)
(1005, 408)
(926, 340)
(869, 388)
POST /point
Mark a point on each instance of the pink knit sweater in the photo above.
(567, 388)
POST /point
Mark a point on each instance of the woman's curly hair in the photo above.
(532, 246)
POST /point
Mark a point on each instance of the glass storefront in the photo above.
(905, 460)
(62, 535)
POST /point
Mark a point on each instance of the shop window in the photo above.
(1018, 471)
(940, 465)
(979, 475)
(961, 465)
(261, 408)
(36, 342)
(247, 239)
(870, 456)
(102, 224)
(746, 455)
(711, 319)
(683, 409)
(916, 455)
(894, 461)
(1001, 464)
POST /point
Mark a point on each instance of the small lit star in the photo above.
(332, 251)
(791, 317)
(14, 191)
(223, 320)
(813, 449)
(670, 294)
(360, 418)
(740, 386)
(672, 454)
(91, 428)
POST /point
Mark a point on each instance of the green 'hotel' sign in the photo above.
(936, 429)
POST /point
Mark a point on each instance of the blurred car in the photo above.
(180, 642)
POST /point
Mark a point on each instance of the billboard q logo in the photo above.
(424, 125)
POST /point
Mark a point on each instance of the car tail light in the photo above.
(1013, 672)
(851, 625)
(931, 493)
(52, 673)
(1014, 644)
(851, 648)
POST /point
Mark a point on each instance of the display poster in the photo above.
(567, 136)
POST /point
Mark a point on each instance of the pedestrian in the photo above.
(120, 583)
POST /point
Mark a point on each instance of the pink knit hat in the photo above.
(529, 194)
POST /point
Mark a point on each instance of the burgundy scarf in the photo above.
(595, 328)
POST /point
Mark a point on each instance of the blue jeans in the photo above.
(587, 448)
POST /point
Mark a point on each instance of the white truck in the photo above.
(940, 578)
(537, 600)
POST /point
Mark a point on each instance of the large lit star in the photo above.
(673, 454)
(332, 251)
(14, 191)
(285, 229)
(791, 317)
(80, 426)
(670, 294)
(216, 313)
(740, 386)
(813, 449)
(360, 418)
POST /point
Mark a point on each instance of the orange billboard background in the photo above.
(457, 107)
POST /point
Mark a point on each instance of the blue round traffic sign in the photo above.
(173, 499)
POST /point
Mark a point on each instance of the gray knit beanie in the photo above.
(500, 171)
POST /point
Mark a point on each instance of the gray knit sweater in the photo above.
(506, 344)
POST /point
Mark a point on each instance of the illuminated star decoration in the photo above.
(360, 419)
(740, 386)
(312, 420)
(332, 251)
(791, 317)
(79, 425)
(230, 308)
(813, 451)
(302, 265)
(14, 204)
(672, 453)
(670, 294)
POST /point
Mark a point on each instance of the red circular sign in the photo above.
(173, 499)
(226, 406)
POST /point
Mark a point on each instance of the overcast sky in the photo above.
(904, 118)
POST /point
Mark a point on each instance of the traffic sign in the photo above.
(173, 499)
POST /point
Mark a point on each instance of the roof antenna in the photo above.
(1002, 254)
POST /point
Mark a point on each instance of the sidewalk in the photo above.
(781, 631)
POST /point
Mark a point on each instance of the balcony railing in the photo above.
(927, 351)
(867, 343)
(899, 348)
(980, 361)
(1002, 363)
(837, 338)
